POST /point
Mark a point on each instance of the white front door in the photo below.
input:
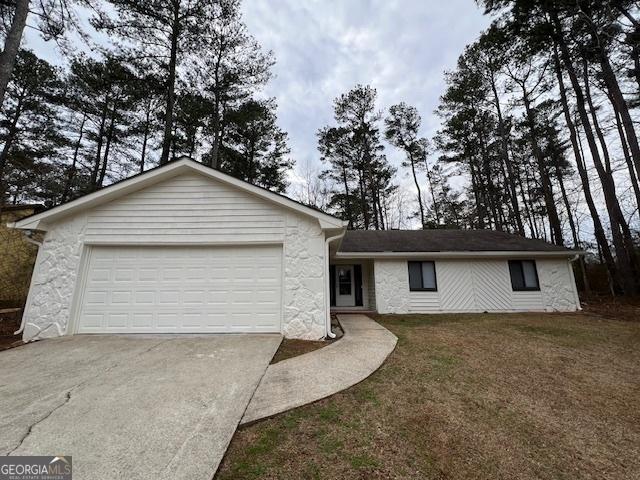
(345, 291)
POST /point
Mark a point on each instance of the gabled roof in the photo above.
(183, 165)
(463, 242)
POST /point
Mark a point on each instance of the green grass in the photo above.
(363, 462)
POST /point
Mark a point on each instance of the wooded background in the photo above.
(538, 120)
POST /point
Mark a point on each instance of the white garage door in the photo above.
(182, 290)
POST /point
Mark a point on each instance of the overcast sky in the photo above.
(325, 47)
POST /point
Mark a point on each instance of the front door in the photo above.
(345, 291)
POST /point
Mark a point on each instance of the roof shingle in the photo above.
(364, 241)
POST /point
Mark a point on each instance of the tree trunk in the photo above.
(8, 143)
(215, 148)
(532, 206)
(107, 148)
(363, 200)
(618, 222)
(507, 160)
(567, 205)
(490, 187)
(625, 266)
(599, 233)
(627, 157)
(635, 56)
(480, 210)
(436, 206)
(621, 220)
(594, 118)
(347, 199)
(98, 157)
(552, 211)
(618, 101)
(145, 136)
(72, 168)
(527, 210)
(217, 129)
(12, 45)
(635, 53)
(167, 138)
(374, 204)
(415, 180)
(380, 210)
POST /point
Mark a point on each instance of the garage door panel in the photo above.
(182, 290)
(142, 320)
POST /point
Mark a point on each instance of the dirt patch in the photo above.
(469, 396)
(615, 308)
(10, 341)
(292, 348)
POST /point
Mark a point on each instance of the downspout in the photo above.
(573, 280)
(28, 236)
(327, 284)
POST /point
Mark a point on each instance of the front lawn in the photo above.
(469, 396)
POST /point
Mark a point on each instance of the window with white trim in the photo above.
(524, 275)
(422, 277)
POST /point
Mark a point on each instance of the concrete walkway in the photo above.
(304, 379)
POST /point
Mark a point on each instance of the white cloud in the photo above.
(324, 48)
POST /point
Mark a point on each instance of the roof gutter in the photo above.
(492, 254)
(327, 284)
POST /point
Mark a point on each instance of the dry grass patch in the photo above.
(469, 396)
(292, 348)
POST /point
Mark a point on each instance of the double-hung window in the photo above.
(524, 275)
(422, 277)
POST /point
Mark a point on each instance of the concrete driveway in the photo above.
(133, 407)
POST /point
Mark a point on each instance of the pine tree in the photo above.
(31, 134)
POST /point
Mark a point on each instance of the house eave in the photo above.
(454, 255)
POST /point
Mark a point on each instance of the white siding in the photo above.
(188, 208)
(475, 285)
(492, 285)
(424, 302)
(524, 301)
(455, 286)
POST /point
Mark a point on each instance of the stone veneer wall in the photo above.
(304, 279)
(48, 307)
(392, 286)
(55, 274)
(557, 287)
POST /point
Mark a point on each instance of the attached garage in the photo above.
(182, 248)
(146, 289)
